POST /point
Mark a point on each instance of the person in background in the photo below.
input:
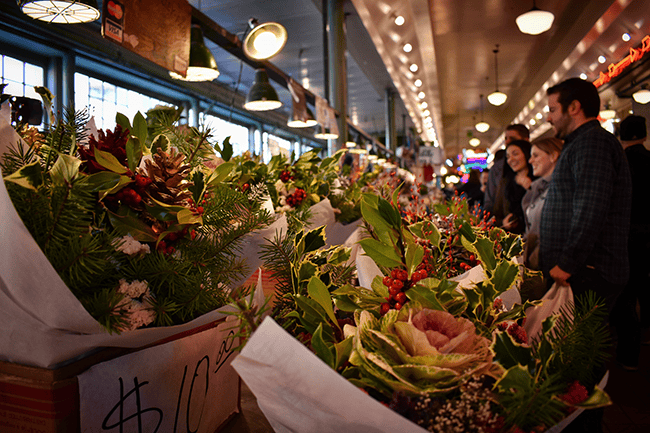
(625, 319)
(517, 178)
(513, 132)
(485, 174)
(586, 216)
(471, 189)
(544, 153)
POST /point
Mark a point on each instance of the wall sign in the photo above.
(614, 70)
(158, 30)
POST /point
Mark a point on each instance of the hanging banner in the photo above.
(334, 127)
(162, 37)
(322, 114)
(299, 105)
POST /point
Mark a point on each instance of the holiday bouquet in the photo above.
(124, 229)
(442, 353)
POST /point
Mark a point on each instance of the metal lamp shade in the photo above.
(264, 40)
(203, 66)
(325, 133)
(262, 96)
(307, 122)
(61, 11)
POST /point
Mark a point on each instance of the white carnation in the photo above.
(128, 245)
(135, 289)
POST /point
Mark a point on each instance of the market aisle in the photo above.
(630, 393)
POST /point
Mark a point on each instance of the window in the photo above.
(221, 129)
(278, 146)
(20, 77)
(104, 100)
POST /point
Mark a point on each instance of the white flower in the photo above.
(134, 290)
(128, 245)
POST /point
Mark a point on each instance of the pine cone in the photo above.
(168, 175)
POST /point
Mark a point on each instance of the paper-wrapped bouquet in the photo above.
(444, 349)
(128, 231)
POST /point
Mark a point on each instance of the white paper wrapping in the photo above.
(297, 392)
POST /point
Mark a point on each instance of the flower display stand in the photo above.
(181, 383)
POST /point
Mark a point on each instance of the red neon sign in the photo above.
(614, 70)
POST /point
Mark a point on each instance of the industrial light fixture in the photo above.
(325, 133)
(496, 98)
(202, 65)
(307, 122)
(262, 96)
(607, 113)
(482, 126)
(642, 96)
(61, 11)
(264, 41)
(535, 21)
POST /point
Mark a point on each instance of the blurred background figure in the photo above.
(517, 178)
(512, 133)
(472, 189)
(543, 156)
(628, 321)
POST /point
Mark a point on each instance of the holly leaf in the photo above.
(426, 230)
(65, 169)
(509, 353)
(504, 276)
(226, 151)
(28, 176)
(518, 378)
(427, 298)
(161, 142)
(343, 350)
(310, 241)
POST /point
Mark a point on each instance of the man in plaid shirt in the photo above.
(586, 216)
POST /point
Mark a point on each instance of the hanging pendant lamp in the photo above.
(307, 122)
(642, 96)
(496, 98)
(61, 11)
(325, 133)
(535, 21)
(262, 96)
(264, 41)
(482, 126)
(203, 66)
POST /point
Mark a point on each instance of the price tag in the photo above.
(186, 385)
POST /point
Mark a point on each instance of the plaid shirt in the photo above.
(586, 216)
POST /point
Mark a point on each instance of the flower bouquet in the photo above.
(443, 355)
(124, 231)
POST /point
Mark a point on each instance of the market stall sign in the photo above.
(615, 69)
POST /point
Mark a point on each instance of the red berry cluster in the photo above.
(194, 208)
(515, 331)
(130, 195)
(398, 282)
(576, 394)
(296, 199)
(287, 175)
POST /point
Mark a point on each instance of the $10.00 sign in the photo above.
(186, 385)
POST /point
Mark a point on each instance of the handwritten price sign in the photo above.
(185, 386)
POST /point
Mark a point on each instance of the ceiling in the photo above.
(453, 43)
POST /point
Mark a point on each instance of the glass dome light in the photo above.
(535, 21)
(642, 96)
(61, 11)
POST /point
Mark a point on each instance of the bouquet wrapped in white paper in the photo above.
(442, 349)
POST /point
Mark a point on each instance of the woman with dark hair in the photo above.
(517, 178)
